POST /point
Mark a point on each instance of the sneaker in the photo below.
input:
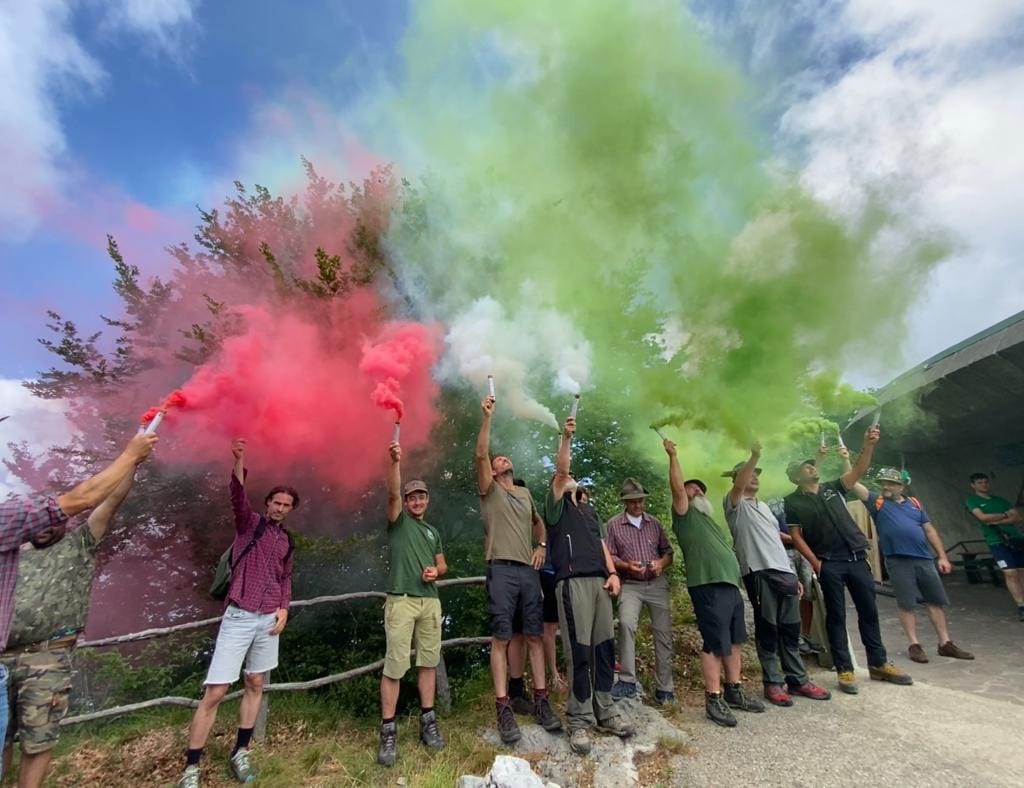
(579, 741)
(387, 753)
(916, 653)
(891, 673)
(717, 710)
(664, 697)
(521, 704)
(776, 694)
(190, 779)
(848, 682)
(240, 767)
(430, 736)
(809, 690)
(616, 726)
(508, 728)
(736, 698)
(623, 689)
(545, 715)
(951, 649)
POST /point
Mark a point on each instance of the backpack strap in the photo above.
(916, 502)
(260, 530)
(879, 502)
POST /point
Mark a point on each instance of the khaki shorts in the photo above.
(38, 691)
(411, 622)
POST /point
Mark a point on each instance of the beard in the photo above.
(701, 504)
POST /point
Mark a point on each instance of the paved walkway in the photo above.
(960, 724)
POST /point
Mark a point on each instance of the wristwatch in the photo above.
(542, 544)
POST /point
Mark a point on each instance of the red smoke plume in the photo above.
(392, 360)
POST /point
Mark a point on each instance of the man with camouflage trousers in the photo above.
(54, 586)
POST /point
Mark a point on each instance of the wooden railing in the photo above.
(443, 692)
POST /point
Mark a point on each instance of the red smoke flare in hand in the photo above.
(149, 415)
(385, 395)
(176, 399)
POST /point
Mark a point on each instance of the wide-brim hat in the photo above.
(891, 475)
(699, 483)
(736, 469)
(632, 490)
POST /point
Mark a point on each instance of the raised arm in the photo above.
(100, 517)
(395, 483)
(92, 492)
(482, 455)
(856, 473)
(680, 503)
(563, 460)
(745, 474)
(239, 500)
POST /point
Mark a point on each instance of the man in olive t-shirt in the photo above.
(713, 581)
(412, 612)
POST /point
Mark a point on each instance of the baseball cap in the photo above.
(416, 485)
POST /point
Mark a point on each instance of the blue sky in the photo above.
(121, 116)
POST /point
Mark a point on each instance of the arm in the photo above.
(745, 474)
(611, 585)
(100, 517)
(281, 616)
(862, 492)
(990, 518)
(94, 491)
(665, 553)
(680, 503)
(936, 542)
(845, 454)
(540, 534)
(854, 475)
(482, 455)
(395, 483)
(796, 532)
(239, 500)
(563, 460)
(440, 566)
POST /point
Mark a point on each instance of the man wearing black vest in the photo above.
(826, 535)
(586, 581)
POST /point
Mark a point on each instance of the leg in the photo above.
(426, 682)
(502, 601)
(206, 714)
(938, 619)
(630, 601)
(499, 666)
(806, 616)
(517, 657)
(33, 769)
(251, 697)
(789, 640)
(711, 667)
(766, 636)
(603, 638)
(732, 665)
(575, 615)
(834, 591)
(659, 604)
(535, 644)
(426, 641)
(531, 602)
(388, 697)
(1014, 579)
(861, 583)
(551, 654)
(909, 623)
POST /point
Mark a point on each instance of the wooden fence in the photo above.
(443, 692)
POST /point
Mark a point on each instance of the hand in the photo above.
(816, 566)
(487, 406)
(670, 447)
(429, 574)
(844, 452)
(396, 452)
(636, 567)
(538, 557)
(755, 449)
(612, 585)
(281, 617)
(238, 448)
(822, 449)
(872, 435)
(140, 447)
(657, 567)
(799, 589)
(570, 427)
(944, 566)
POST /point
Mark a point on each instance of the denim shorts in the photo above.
(244, 637)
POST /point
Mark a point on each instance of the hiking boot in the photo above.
(508, 728)
(387, 753)
(916, 653)
(951, 649)
(809, 690)
(521, 704)
(717, 710)
(579, 741)
(190, 779)
(891, 673)
(616, 726)
(623, 689)
(736, 698)
(545, 715)
(240, 769)
(777, 695)
(848, 682)
(664, 697)
(430, 736)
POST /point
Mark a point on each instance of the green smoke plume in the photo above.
(596, 155)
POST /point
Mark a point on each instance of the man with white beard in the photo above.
(713, 581)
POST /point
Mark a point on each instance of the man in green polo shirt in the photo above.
(412, 612)
(1000, 525)
(713, 582)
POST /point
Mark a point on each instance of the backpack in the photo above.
(879, 501)
(225, 566)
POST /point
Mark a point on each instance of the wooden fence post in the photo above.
(259, 730)
(444, 691)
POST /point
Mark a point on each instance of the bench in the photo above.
(976, 564)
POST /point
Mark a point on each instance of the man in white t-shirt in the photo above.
(772, 586)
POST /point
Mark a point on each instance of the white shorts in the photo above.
(243, 636)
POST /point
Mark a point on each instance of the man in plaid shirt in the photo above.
(41, 520)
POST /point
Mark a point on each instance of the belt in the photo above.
(504, 562)
(67, 641)
(857, 555)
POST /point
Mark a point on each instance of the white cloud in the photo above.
(936, 109)
(39, 423)
(44, 62)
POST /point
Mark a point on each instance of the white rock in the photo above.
(511, 772)
(469, 781)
